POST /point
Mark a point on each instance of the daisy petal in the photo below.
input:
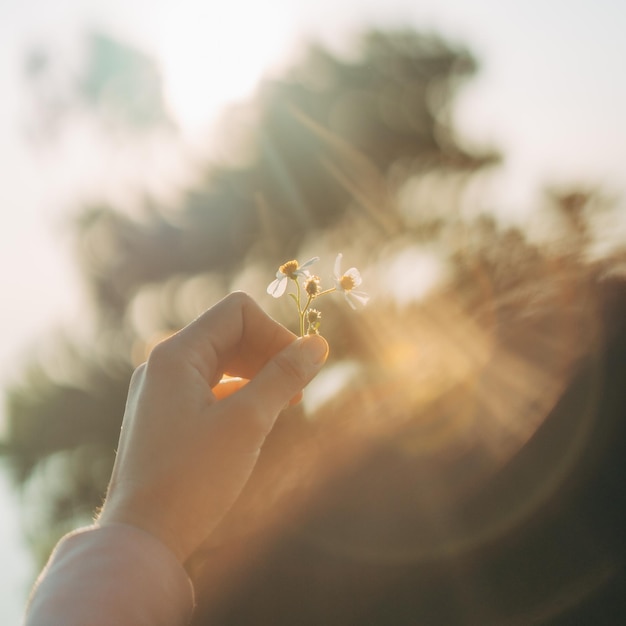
(360, 296)
(277, 287)
(338, 266)
(309, 262)
(348, 296)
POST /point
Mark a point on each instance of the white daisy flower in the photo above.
(347, 281)
(291, 269)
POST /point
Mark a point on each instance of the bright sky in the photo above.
(551, 95)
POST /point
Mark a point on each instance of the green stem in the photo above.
(308, 302)
(298, 299)
(304, 310)
(300, 312)
(323, 293)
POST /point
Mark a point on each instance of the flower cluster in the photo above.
(311, 288)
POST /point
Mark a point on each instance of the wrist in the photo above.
(157, 529)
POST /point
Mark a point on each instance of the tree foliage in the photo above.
(113, 81)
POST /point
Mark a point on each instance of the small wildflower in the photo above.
(312, 286)
(314, 319)
(290, 270)
(313, 315)
(347, 281)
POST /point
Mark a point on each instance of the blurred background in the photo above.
(468, 158)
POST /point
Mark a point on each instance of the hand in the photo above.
(188, 442)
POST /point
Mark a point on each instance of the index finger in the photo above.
(235, 336)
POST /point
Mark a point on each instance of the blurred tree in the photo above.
(122, 84)
(362, 156)
(115, 83)
(318, 147)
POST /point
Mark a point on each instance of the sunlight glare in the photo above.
(411, 273)
(215, 54)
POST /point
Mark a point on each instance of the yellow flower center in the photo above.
(289, 268)
(347, 282)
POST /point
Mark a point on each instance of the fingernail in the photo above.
(314, 349)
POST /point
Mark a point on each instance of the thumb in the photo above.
(258, 403)
(287, 373)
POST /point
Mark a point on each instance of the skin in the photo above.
(190, 438)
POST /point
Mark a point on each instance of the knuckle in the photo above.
(239, 299)
(161, 356)
(138, 373)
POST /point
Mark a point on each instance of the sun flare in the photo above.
(215, 54)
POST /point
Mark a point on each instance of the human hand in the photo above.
(189, 443)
